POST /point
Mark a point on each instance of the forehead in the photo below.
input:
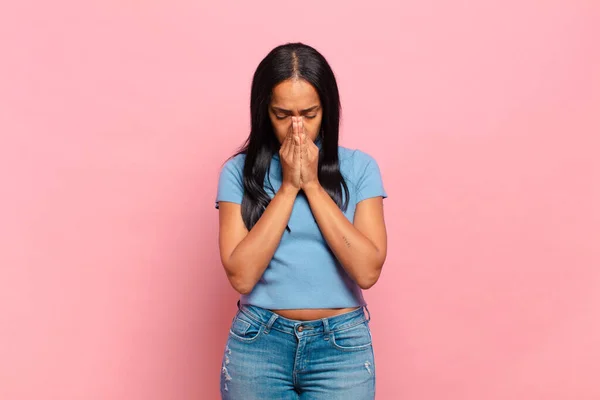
(294, 93)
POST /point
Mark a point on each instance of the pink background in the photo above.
(115, 117)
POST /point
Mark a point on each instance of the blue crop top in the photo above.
(304, 273)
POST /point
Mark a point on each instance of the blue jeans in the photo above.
(271, 357)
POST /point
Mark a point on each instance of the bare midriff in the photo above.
(313, 313)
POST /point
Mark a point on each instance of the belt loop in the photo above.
(271, 321)
(325, 326)
(368, 313)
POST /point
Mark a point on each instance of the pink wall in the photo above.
(116, 115)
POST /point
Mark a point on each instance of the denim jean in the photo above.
(271, 357)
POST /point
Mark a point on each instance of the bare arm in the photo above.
(245, 254)
(361, 247)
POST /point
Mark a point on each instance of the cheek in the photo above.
(281, 128)
(312, 126)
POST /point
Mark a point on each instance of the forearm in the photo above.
(359, 256)
(252, 255)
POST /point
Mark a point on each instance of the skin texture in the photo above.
(360, 246)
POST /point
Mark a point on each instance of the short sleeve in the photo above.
(369, 182)
(231, 186)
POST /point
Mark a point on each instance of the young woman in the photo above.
(301, 232)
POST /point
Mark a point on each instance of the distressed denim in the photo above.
(271, 357)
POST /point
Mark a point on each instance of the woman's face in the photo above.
(295, 97)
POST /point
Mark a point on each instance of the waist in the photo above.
(337, 322)
(312, 313)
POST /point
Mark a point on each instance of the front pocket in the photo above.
(245, 330)
(352, 339)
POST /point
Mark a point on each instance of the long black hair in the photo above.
(292, 60)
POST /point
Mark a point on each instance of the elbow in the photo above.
(244, 290)
(240, 286)
(240, 283)
(372, 271)
(367, 281)
(370, 278)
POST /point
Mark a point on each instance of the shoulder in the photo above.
(355, 160)
(231, 182)
(232, 171)
(234, 164)
(236, 161)
(360, 169)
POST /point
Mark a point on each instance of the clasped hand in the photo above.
(299, 157)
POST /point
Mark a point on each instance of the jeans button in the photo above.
(300, 328)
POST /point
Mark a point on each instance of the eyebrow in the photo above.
(306, 110)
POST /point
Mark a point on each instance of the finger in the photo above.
(298, 131)
(312, 150)
(302, 131)
(292, 144)
(289, 148)
(295, 126)
(296, 154)
(284, 144)
(296, 140)
(305, 141)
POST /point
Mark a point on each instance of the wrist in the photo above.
(288, 189)
(312, 187)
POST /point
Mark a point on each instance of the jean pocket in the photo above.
(244, 329)
(352, 339)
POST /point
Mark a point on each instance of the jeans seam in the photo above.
(264, 325)
(346, 327)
